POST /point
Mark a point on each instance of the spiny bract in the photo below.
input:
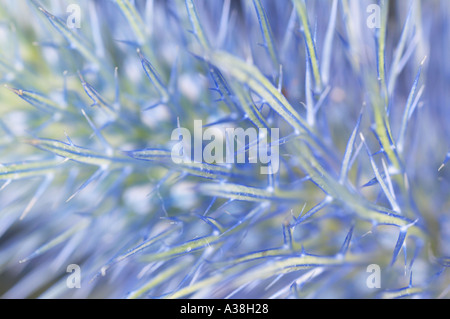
(93, 204)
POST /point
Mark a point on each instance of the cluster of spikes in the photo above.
(87, 110)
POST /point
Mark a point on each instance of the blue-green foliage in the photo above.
(87, 114)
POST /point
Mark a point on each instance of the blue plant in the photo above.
(93, 92)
